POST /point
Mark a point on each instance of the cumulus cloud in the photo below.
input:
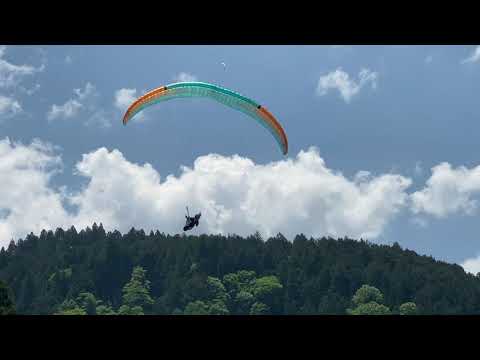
(27, 201)
(474, 57)
(448, 191)
(234, 194)
(9, 107)
(66, 111)
(30, 91)
(83, 103)
(472, 265)
(123, 98)
(11, 74)
(183, 76)
(347, 87)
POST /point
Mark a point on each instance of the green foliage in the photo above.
(7, 305)
(259, 308)
(214, 303)
(70, 307)
(266, 289)
(105, 310)
(315, 276)
(408, 308)
(130, 310)
(218, 307)
(243, 301)
(88, 303)
(216, 290)
(239, 293)
(367, 294)
(371, 308)
(136, 294)
(197, 307)
(368, 301)
(74, 311)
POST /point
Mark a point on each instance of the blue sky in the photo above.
(382, 141)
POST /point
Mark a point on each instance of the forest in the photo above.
(94, 272)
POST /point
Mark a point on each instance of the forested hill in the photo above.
(50, 272)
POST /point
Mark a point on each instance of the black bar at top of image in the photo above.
(296, 24)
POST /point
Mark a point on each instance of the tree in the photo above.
(244, 301)
(197, 307)
(215, 302)
(408, 308)
(240, 293)
(130, 310)
(367, 294)
(266, 290)
(105, 310)
(317, 275)
(136, 294)
(70, 307)
(88, 302)
(259, 308)
(7, 305)
(73, 311)
(371, 308)
(216, 290)
(368, 301)
(218, 307)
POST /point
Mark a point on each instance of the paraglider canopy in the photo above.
(217, 93)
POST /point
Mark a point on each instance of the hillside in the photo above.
(316, 276)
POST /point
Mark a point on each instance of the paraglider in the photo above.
(191, 221)
(224, 65)
(217, 93)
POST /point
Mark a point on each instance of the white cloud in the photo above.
(347, 87)
(124, 97)
(82, 101)
(448, 191)
(87, 93)
(9, 107)
(185, 77)
(474, 57)
(10, 74)
(234, 195)
(30, 91)
(28, 202)
(100, 118)
(68, 110)
(472, 265)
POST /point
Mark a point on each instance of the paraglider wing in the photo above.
(214, 92)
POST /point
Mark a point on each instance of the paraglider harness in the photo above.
(191, 221)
